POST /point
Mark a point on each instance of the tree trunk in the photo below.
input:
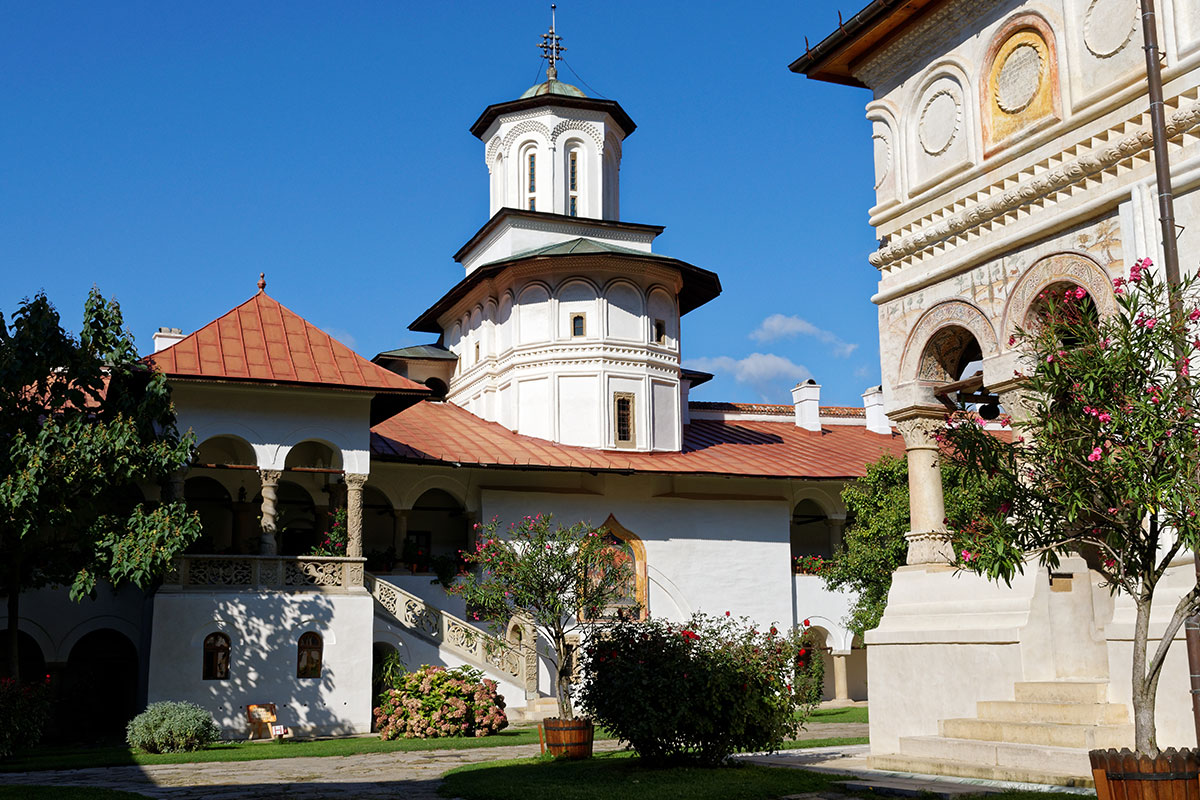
(562, 682)
(1145, 686)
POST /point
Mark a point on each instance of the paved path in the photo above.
(409, 776)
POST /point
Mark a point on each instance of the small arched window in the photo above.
(309, 651)
(573, 182)
(529, 179)
(216, 657)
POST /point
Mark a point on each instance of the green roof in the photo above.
(553, 87)
(429, 351)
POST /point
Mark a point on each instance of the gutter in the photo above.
(846, 32)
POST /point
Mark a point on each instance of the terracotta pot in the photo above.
(570, 738)
(1125, 775)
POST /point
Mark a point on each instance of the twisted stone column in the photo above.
(354, 514)
(267, 545)
(928, 541)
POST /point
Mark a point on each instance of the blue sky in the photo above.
(169, 152)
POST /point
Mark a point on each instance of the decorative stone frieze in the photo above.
(1091, 165)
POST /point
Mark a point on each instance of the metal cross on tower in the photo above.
(551, 48)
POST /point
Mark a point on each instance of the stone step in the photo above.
(1063, 760)
(1064, 691)
(1046, 734)
(967, 769)
(1063, 713)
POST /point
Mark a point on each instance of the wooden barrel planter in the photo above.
(1124, 775)
(570, 738)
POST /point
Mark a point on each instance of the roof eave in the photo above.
(610, 107)
(506, 212)
(372, 390)
(688, 301)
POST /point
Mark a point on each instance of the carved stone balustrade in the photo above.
(256, 573)
(457, 636)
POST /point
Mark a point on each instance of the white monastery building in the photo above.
(552, 384)
(1013, 153)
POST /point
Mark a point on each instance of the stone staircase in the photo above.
(471, 644)
(534, 711)
(1041, 736)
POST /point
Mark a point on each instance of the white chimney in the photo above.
(877, 421)
(165, 337)
(685, 386)
(807, 399)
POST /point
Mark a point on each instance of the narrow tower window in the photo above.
(623, 419)
(660, 331)
(573, 184)
(531, 186)
(578, 325)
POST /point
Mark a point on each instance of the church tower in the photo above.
(566, 324)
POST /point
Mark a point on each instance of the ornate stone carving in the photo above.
(270, 482)
(422, 617)
(1057, 268)
(952, 312)
(941, 117)
(934, 33)
(929, 547)
(1019, 78)
(921, 432)
(219, 572)
(354, 516)
(1108, 26)
(1033, 189)
(883, 157)
(583, 127)
(522, 128)
(312, 572)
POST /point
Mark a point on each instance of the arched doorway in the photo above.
(31, 660)
(628, 549)
(99, 687)
(437, 528)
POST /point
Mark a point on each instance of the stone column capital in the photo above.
(920, 427)
(355, 481)
(270, 477)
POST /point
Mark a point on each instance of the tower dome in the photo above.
(553, 86)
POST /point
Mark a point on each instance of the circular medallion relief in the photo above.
(939, 122)
(883, 158)
(1019, 78)
(1108, 26)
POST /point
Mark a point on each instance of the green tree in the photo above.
(1106, 462)
(873, 545)
(83, 423)
(559, 579)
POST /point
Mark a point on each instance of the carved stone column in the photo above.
(841, 687)
(354, 514)
(267, 545)
(928, 542)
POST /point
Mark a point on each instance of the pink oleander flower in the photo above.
(1096, 454)
(1151, 322)
(1080, 293)
(1105, 417)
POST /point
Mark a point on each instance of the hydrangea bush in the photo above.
(701, 690)
(1104, 459)
(24, 711)
(435, 702)
(172, 727)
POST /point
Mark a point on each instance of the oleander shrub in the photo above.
(24, 710)
(172, 727)
(434, 702)
(699, 691)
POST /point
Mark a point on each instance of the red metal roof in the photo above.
(774, 409)
(444, 433)
(262, 340)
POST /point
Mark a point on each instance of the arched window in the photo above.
(574, 181)
(529, 177)
(308, 655)
(628, 549)
(216, 657)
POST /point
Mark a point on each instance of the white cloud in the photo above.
(783, 326)
(769, 374)
(343, 336)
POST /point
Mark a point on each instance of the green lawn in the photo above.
(64, 793)
(834, 742)
(851, 714)
(44, 758)
(623, 775)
